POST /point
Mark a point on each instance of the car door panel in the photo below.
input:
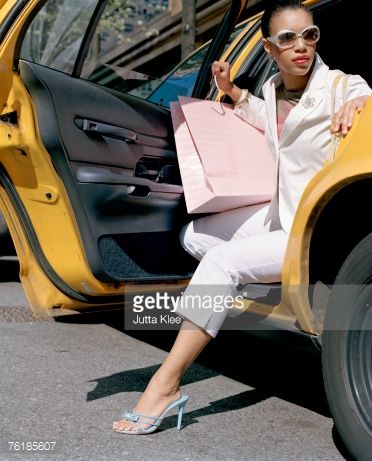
(75, 101)
(115, 154)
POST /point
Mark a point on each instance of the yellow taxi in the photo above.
(91, 192)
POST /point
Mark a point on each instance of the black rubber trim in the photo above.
(11, 17)
(30, 234)
(22, 33)
(85, 43)
(215, 49)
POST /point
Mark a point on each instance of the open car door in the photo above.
(90, 183)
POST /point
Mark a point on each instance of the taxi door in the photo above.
(90, 186)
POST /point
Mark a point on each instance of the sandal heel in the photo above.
(180, 414)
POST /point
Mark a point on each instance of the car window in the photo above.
(118, 33)
(102, 64)
(181, 81)
(55, 35)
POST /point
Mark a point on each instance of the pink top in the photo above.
(286, 101)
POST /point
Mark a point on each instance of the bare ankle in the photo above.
(165, 386)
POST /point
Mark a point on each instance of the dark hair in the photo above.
(276, 6)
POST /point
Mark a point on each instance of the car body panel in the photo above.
(323, 187)
(8, 42)
(43, 195)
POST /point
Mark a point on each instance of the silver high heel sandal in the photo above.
(181, 402)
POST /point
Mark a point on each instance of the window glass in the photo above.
(121, 28)
(118, 35)
(182, 80)
(54, 36)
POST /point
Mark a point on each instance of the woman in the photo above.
(247, 245)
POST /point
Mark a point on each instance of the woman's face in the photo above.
(295, 61)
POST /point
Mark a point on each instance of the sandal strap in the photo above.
(130, 416)
(135, 417)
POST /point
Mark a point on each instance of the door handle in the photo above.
(104, 129)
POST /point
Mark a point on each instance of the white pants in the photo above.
(234, 248)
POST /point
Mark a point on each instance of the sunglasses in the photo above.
(288, 38)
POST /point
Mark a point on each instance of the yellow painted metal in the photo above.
(7, 48)
(44, 197)
(242, 5)
(2, 3)
(352, 163)
(41, 293)
(5, 7)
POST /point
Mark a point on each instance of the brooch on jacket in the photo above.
(308, 102)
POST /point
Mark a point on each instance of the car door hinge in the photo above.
(10, 117)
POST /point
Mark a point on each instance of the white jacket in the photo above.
(304, 143)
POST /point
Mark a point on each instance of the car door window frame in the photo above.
(224, 31)
(85, 42)
(11, 17)
(87, 38)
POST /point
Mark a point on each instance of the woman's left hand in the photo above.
(343, 120)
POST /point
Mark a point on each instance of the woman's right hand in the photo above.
(221, 70)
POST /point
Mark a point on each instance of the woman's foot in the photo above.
(153, 401)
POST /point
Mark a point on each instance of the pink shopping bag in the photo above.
(224, 162)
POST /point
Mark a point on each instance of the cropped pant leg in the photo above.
(234, 248)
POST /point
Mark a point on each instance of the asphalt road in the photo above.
(65, 381)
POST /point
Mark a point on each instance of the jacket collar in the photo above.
(318, 77)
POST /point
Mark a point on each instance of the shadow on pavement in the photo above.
(136, 380)
(272, 369)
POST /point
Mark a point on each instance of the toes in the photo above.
(122, 425)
